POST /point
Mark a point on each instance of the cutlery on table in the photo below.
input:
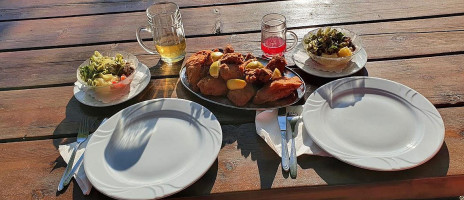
(82, 135)
(282, 119)
(76, 166)
(293, 119)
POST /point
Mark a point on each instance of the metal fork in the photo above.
(82, 135)
(293, 118)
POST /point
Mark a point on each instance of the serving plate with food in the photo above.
(110, 78)
(234, 80)
(330, 52)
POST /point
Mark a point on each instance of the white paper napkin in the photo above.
(81, 179)
(267, 127)
(79, 175)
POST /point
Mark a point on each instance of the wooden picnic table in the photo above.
(416, 43)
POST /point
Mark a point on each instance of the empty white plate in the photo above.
(374, 123)
(152, 149)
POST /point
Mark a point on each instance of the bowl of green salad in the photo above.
(107, 76)
(332, 48)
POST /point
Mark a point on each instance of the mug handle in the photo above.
(137, 35)
(295, 37)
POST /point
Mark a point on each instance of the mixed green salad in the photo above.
(104, 70)
(329, 41)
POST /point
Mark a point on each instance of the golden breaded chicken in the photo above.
(200, 58)
(258, 76)
(229, 49)
(278, 62)
(249, 56)
(230, 71)
(197, 67)
(212, 86)
(232, 58)
(277, 89)
(242, 96)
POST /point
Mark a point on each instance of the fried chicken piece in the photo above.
(230, 71)
(197, 67)
(278, 62)
(194, 74)
(229, 49)
(212, 86)
(235, 58)
(244, 64)
(249, 56)
(258, 76)
(277, 89)
(200, 58)
(242, 96)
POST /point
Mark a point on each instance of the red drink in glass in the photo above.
(273, 46)
(274, 35)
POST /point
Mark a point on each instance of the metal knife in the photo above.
(69, 176)
(282, 119)
(71, 173)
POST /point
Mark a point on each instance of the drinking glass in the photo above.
(274, 35)
(165, 25)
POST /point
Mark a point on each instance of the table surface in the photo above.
(416, 43)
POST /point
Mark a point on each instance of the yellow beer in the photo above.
(165, 25)
(171, 48)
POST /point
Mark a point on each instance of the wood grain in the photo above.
(212, 20)
(382, 40)
(36, 114)
(246, 163)
(408, 189)
(32, 112)
(23, 9)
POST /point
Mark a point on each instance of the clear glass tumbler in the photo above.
(165, 25)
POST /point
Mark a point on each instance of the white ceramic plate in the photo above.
(152, 149)
(141, 80)
(374, 123)
(304, 62)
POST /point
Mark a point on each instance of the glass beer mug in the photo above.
(165, 25)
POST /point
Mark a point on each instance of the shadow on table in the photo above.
(248, 142)
(66, 131)
(244, 134)
(333, 171)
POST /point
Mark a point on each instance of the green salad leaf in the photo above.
(104, 70)
(327, 41)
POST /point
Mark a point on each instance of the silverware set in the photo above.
(288, 162)
(85, 126)
(82, 135)
(282, 119)
(293, 118)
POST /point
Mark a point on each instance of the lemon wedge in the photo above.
(276, 74)
(344, 52)
(214, 69)
(216, 55)
(254, 65)
(236, 84)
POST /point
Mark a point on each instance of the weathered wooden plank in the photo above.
(246, 163)
(382, 41)
(23, 9)
(54, 111)
(212, 20)
(407, 189)
(47, 111)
